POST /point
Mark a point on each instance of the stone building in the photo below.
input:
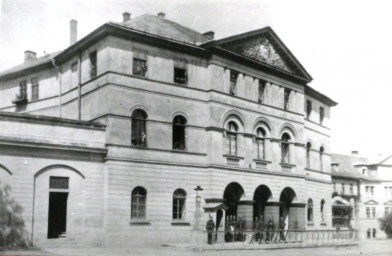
(364, 186)
(105, 141)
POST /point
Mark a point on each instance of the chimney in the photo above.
(355, 152)
(73, 31)
(126, 16)
(161, 15)
(29, 56)
(209, 34)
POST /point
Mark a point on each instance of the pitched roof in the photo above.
(30, 64)
(165, 28)
(347, 168)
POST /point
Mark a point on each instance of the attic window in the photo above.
(180, 76)
(308, 108)
(321, 115)
(93, 64)
(261, 91)
(139, 67)
(286, 99)
(233, 82)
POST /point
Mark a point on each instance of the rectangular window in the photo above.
(351, 189)
(321, 115)
(23, 90)
(308, 108)
(233, 82)
(93, 64)
(286, 101)
(180, 76)
(231, 144)
(334, 186)
(368, 212)
(371, 191)
(34, 89)
(373, 212)
(342, 191)
(139, 67)
(261, 91)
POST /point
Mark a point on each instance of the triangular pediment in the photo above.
(371, 202)
(265, 47)
(388, 202)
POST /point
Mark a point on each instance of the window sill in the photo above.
(139, 223)
(232, 160)
(180, 223)
(310, 224)
(233, 156)
(323, 224)
(287, 166)
(261, 163)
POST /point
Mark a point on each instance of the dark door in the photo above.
(57, 217)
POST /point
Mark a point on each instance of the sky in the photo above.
(344, 44)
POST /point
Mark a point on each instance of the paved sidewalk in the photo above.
(378, 247)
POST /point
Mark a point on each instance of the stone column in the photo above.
(245, 211)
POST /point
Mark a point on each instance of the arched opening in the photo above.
(231, 138)
(374, 232)
(261, 196)
(322, 210)
(138, 203)
(321, 158)
(369, 233)
(179, 197)
(138, 133)
(232, 195)
(179, 137)
(286, 198)
(285, 148)
(259, 144)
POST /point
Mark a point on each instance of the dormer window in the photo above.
(233, 82)
(139, 67)
(180, 76)
(22, 96)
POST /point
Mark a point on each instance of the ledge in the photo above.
(310, 224)
(180, 223)
(140, 223)
(287, 166)
(323, 224)
(234, 157)
(261, 161)
(157, 149)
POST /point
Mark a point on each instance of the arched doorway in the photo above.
(232, 195)
(261, 196)
(286, 198)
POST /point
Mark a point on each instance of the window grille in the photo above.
(59, 183)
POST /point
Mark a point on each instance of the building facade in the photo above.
(160, 110)
(363, 188)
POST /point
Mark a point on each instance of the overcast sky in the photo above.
(344, 45)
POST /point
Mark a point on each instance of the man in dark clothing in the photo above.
(210, 226)
(261, 229)
(282, 225)
(270, 230)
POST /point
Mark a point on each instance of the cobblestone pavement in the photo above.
(376, 248)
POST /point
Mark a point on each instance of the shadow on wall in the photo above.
(12, 232)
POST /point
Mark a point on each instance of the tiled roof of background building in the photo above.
(165, 28)
(347, 169)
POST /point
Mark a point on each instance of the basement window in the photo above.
(180, 76)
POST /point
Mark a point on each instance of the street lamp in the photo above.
(198, 202)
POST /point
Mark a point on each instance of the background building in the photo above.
(141, 113)
(361, 186)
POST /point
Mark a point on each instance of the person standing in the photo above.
(210, 226)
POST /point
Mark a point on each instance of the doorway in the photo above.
(57, 216)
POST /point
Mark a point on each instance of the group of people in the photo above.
(235, 230)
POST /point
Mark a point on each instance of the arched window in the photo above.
(322, 210)
(308, 147)
(138, 203)
(321, 158)
(179, 124)
(374, 232)
(231, 139)
(369, 233)
(285, 147)
(139, 136)
(179, 197)
(310, 210)
(259, 147)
